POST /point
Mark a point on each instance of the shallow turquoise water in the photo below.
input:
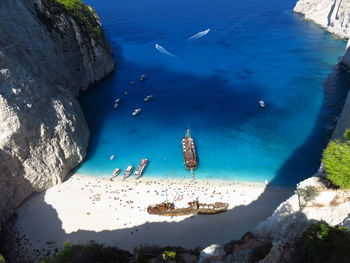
(254, 50)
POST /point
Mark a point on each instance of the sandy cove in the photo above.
(114, 212)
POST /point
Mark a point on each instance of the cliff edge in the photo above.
(333, 15)
(47, 55)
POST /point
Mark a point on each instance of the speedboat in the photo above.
(117, 100)
(128, 171)
(148, 98)
(136, 111)
(261, 103)
(132, 82)
(112, 157)
(115, 172)
(142, 77)
(116, 105)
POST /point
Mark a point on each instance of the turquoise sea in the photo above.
(254, 50)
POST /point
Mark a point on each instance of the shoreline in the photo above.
(114, 212)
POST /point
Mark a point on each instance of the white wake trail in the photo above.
(199, 35)
(164, 51)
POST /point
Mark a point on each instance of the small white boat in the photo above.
(117, 100)
(128, 171)
(112, 157)
(136, 111)
(132, 82)
(116, 105)
(261, 103)
(148, 98)
(142, 77)
(115, 172)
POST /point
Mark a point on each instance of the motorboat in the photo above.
(117, 100)
(128, 171)
(140, 169)
(112, 157)
(132, 82)
(261, 103)
(136, 111)
(149, 98)
(116, 172)
(142, 77)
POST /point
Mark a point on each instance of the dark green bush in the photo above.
(336, 160)
(82, 13)
(347, 135)
(322, 243)
(169, 255)
(89, 253)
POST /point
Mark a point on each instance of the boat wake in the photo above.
(199, 35)
(164, 51)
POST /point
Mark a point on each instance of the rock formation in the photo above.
(333, 15)
(46, 57)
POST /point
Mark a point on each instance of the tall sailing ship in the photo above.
(189, 150)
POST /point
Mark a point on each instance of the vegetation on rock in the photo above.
(322, 243)
(93, 252)
(84, 15)
(336, 160)
(89, 253)
(306, 194)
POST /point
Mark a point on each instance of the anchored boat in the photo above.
(140, 169)
(189, 151)
(142, 77)
(148, 98)
(194, 208)
(128, 171)
(115, 172)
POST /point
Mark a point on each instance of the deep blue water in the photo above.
(255, 50)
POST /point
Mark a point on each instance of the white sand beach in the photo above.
(114, 212)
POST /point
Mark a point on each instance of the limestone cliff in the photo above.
(333, 15)
(46, 57)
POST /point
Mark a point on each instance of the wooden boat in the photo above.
(189, 150)
(194, 208)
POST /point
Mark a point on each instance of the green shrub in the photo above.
(89, 253)
(169, 255)
(322, 243)
(347, 135)
(2, 259)
(306, 194)
(82, 13)
(336, 160)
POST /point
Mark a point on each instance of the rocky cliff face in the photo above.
(46, 58)
(333, 15)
